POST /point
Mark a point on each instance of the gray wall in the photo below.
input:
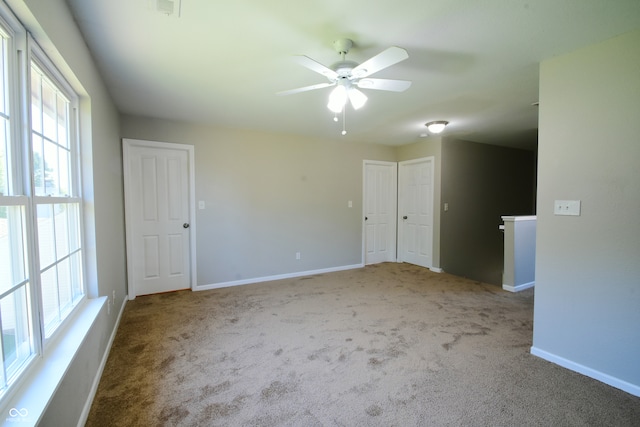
(587, 303)
(269, 196)
(53, 27)
(481, 183)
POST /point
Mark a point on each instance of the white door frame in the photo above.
(401, 204)
(127, 144)
(393, 208)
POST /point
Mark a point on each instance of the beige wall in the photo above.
(587, 306)
(269, 196)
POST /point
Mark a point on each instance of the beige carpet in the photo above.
(386, 345)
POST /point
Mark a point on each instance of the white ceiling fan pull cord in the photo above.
(344, 120)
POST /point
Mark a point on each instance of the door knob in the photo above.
(366, 218)
(185, 225)
(404, 217)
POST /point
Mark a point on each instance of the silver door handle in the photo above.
(185, 225)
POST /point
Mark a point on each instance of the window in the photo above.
(41, 255)
(57, 210)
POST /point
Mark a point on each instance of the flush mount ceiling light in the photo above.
(437, 126)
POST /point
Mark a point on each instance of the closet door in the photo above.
(380, 206)
(415, 212)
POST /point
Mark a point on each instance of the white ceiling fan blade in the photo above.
(314, 65)
(304, 89)
(384, 59)
(384, 84)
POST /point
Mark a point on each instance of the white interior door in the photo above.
(415, 213)
(380, 189)
(158, 184)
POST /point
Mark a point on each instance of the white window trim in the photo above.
(43, 372)
(37, 55)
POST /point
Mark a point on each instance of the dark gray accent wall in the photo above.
(480, 183)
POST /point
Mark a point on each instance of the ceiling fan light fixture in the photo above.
(357, 98)
(436, 126)
(337, 99)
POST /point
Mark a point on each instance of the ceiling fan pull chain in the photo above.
(344, 120)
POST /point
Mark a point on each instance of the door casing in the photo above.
(399, 235)
(127, 146)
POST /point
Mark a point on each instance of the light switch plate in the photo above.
(201, 204)
(566, 207)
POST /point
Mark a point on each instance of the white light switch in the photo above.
(350, 204)
(201, 204)
(566, 207)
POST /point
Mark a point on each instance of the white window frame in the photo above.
(21, 51)
(38, 56)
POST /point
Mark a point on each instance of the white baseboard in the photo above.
(276, 277)
(518, 288)
(436, 270)
(96, 381)
(633, 389)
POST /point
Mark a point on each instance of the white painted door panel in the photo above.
(380, 182)
(158, 215)
(415, 222)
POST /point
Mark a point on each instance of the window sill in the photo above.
(29, 402)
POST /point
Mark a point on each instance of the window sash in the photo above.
(61, 281)
(17, 337)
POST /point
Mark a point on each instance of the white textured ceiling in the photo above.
(472, 62)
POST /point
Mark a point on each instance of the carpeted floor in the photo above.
(386, 345)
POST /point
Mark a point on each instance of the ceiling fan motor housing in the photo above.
(343, 68)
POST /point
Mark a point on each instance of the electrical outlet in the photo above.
(566, 207)
(297, 255)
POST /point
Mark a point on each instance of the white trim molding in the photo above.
(518, 288)
(276, 277)
(633, 389)
(96, 381)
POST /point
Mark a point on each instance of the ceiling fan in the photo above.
(348, 76)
